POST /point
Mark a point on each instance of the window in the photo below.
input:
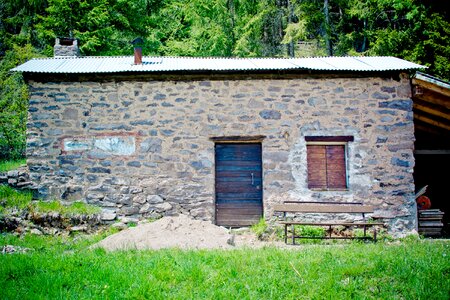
(326, 158)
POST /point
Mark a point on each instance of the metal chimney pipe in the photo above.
(137, 55)
(137, 42)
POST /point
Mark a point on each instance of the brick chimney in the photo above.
(66, 47)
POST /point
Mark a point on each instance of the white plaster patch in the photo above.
(114, 145)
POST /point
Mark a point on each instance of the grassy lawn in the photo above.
(8, 165)
(65, 268)
(11, 199)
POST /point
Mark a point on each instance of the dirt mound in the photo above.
(170, 232)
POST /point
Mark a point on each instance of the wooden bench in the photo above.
(326, 208)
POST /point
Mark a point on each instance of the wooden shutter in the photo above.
(317, 167)
(326, 166)
(336, 170)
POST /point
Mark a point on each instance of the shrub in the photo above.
(310, 231)
(260, 228)
(13, 103)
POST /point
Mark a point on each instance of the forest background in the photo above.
(415, 30)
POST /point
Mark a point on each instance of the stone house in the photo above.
(222, 139)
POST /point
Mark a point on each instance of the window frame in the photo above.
(333, 141)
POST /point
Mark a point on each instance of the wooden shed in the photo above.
(431, 105)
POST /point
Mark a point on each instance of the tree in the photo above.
(13, 103)
(402, 28)
(312, 22)
(90, 22)
(416, 30)
(17, 21)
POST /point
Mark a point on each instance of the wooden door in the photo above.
(238, 184)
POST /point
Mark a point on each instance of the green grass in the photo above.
(310, 231)
(61, 268)
(260, 228)
(9, 165)
(13, 199)
(75, 208)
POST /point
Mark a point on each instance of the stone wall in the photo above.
(142, 147)
(18, 179)
(66, 47)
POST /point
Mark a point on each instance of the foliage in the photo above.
(12, 199)
(13, 103)
(131, 224)
(9, 165)
(103, 27)
(411, 29)
(402, 28)
(75, 208)
(18, 21)
(416, 30)
(67, 268)
(310, 231)
(260, 228)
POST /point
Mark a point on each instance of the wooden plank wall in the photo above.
(238, 184)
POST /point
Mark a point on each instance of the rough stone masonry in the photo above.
(141, 146)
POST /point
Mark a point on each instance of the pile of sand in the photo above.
(170, 232)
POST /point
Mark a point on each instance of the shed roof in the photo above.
(109, 64)
(431, 97)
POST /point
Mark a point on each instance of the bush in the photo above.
(310, 231)
(260, 228)
(13, 104)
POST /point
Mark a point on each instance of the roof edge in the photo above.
(151, 64)
(431, 79)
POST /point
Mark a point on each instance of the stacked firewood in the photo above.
(430, 222)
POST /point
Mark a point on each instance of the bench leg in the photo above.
(374, 234)
(285, 233)
(365, 230)
(293, 234)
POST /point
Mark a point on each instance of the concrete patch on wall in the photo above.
(72, 144)
(113, 145)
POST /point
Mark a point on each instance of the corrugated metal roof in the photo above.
(433, 80)
(111, 64)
